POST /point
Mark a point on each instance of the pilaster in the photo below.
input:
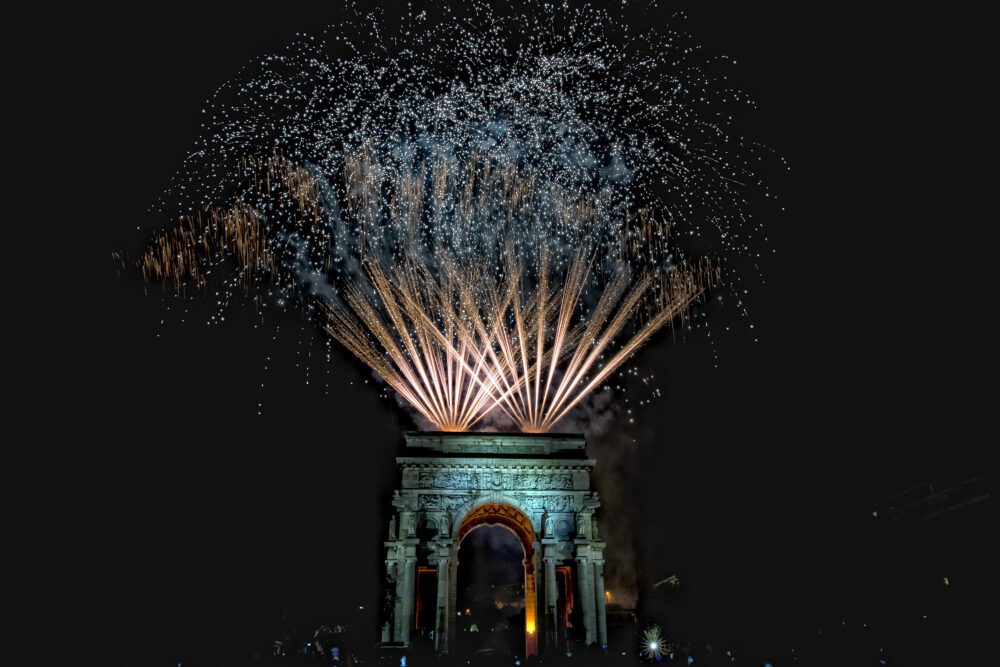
(551, 598)
(440, 616)
(409, 599)
(602, 621)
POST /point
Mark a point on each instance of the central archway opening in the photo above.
(496, 597)
(491, 602)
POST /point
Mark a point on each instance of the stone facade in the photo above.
(536, 485)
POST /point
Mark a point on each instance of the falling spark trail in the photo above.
(484, 221)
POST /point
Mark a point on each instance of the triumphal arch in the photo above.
(538, 487)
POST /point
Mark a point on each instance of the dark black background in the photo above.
(153, 518)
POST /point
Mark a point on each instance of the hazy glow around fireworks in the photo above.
(479, 208)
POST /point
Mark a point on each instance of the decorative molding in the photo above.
(436, 502)
(446, 478)
(495, 443)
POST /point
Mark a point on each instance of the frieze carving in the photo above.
(495, 479)
(435, 502)
(553, 503)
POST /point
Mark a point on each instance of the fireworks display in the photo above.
(480, 208)
(653, 644)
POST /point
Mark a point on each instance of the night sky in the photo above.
(155, 518)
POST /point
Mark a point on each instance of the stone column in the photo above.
(530, 611)
(452, 610)
(602, 621)
(540, 596)
(441, 616)
(409, 599)
(585, 577)
(387, 628)
(397, 614)
(551, 602)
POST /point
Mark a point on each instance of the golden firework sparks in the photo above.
(474, 287)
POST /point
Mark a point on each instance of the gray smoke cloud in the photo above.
(610, 442)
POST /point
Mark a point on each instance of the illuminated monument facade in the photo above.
(538, 487)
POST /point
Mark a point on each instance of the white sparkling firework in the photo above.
(476, 204)
(652, 643)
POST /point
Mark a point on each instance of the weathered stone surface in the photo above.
(449, 479)
(542, 480)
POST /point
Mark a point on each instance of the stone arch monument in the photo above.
(537, 486)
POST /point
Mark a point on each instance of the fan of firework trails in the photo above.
(477, 207)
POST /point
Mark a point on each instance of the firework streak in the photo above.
(479, 211)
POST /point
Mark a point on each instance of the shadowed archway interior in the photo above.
(487, 531)
(490, 592)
